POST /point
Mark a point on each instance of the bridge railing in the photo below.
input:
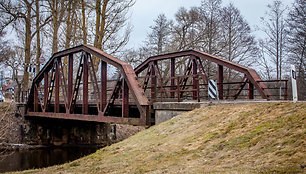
(184, 75)
(231, 90)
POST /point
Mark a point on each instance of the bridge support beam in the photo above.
(220, 81)
(57, 85)
(103, 85)
(172, 75)
(153, 81)
(195, 84)
(251, 90)
(46, 88)
(70, 80)
(125, 99)
(85, 85)
(36, 98)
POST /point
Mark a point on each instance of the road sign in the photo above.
(213, 90)
(42, 60)
(293, 81)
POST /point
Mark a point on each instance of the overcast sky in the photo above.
(145, 11)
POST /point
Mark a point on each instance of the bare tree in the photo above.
(211, 21)
(264, 63)
(10, 57)
(237, 41)
(71, 8)
(11, 13)
(274, 27)
(4, 51)
(185, 32)
(210, 24)
(111, 28)
(57, 9)
(297, 43)
(136, 56)
(38, 46)
(21, 12)
(84, 29)
(159, 37)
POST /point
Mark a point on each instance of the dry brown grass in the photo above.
(244, 138)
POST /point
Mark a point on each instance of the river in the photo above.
(31, 159)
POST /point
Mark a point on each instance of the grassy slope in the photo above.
(244, 138)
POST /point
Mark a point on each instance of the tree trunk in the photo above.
(38, 49)
(84, 23)
(27, 55)
(55, 38)
(98, 15)
(102, 25)
(69, 26)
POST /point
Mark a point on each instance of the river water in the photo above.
(31, 159)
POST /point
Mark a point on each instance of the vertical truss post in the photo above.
(125, 99)
(194, 78)
(251, 90)
(85, 85)
(103, 85)
(220, 81)
(286, 89)
(178, 90)
(46, 90)
(36, 98)
(70, 79)
(172, 74)
(22, 96)
(153, 81)
(57, 85)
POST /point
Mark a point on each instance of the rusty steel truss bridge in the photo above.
(72, 85)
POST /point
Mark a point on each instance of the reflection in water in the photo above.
(23, 160)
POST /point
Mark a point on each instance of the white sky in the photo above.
(145, 11)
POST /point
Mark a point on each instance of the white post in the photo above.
(293, 81)
(217, 91)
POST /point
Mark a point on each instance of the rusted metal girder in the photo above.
(172, 76)
(251, 74)
(195, 81)
(220, 81)
(82, 117)
(70, 80)
(56, 108)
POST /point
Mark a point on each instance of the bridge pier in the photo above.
(58, 132)
(166, 110)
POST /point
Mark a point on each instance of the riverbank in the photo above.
(19, 160)
(20, 140)
(15, 129)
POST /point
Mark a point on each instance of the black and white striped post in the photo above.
(30, 67)
(213, 90)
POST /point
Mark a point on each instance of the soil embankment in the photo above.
(11, 123)
(225, 138)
